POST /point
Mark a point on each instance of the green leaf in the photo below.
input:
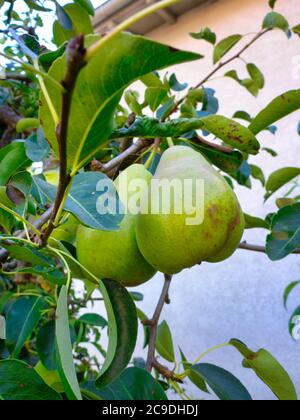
(4, 198)
(258, 174)
(275, 20)
(35, 5)
(176, 85)
(285, 235)
(226, 386)
(94, 320)
(134, 384)
(63, 18)
(269, 370)
(21, 320)
(296, 30)
(151, 127)
(232, 133)
(47, 59)
(282, 202)
(19, 382)
(279, 108)
(143, 317)
(155, 96)
(22, 181)
(250, 84)
(270, 151)
(46, 345)
(50, 377)
(243, 115)
(7, 220)
(224, 46)
(206, 34)
(122, 324)
(80, 21)
(164, 342)
(225, 129)
(255, 222)
(256, 75)
(280, 178)
(64, 348)
(127, 58)
(288, 291)
(137, 296)
(272, 3)
(37, 147)
(193, 376)
(12, 160)
(85, 195)
(87, 5)
(29, 253)
(132, 100)
(4, 298)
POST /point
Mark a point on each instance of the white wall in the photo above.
(242, 297)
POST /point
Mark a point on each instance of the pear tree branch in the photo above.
(75, 63)
(262, 249)
(221, 65)
(153, 324)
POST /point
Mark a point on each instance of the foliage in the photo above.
(58, 140)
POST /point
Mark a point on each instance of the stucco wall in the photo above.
(242, 297)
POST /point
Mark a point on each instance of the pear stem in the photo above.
(170, 142)
(152, 154)
(153, 324)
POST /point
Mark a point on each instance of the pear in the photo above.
(172, 239)
(115, 254)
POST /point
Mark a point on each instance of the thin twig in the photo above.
(153, 324)
(118, 160)
(258, 248)
(75, 63)
(221, 65)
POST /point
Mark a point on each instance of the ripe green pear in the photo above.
(182, 236)
(115, 254)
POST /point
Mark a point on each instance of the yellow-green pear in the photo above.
(189, 214)
(115, 254)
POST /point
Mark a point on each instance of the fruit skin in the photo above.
(165, 240)
(115, 254)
